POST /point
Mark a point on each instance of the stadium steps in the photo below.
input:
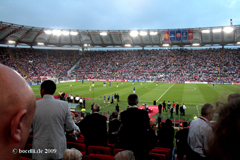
(19, 67)
(78, 60)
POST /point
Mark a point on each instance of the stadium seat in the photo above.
(116, 150)
(100, 156)
(162, 151)
(80, 141)
(79, 146)
(24, 158)
(156, 156)
(99, 150)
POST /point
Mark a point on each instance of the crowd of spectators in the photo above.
(39, 62)
(172, 65)
(162, 65)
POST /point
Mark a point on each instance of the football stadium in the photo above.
(181, 76)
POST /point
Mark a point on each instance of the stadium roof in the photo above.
(13, 34)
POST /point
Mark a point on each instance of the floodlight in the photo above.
(143, 33)
(74, 33)
(10, 41)
(206, 31)
(195, 44)
(153, 33)
(56, 32)
(85, 45)
(134, 33)
(166, 45)
(65, 33)
(103, 33)
(217, 30)
(238, 42)
(228, 29)
(48, 31)
(128, 45)
(40, 43)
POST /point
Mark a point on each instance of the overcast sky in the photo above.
(120, 14)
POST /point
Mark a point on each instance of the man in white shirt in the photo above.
(200, 132)
(52, 119)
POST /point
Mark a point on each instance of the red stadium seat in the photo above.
(100, 156)
(162, 151)
(156, 156)
(80, 141)
(116, 150)
(24, 158)
(99, 150)
(84, 157)
(79, 146)
(163, 148)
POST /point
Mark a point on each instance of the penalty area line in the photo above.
(165, 92)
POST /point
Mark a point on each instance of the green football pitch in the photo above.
(192, 95)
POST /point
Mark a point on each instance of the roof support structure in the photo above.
(36, 37)
(14, 31)
(24, 35)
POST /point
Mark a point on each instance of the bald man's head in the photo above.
(17, 108)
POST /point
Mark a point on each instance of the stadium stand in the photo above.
(218, 65)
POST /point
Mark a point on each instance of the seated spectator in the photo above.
(225, 142)
(72, 154)
(166, 135)
(200, 134)
(181, 141)
(124, 155)
(16, 116)
(94, 128)
(114, 125)
(135, 133)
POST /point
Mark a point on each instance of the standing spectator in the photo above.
(84, 103)
(168, 105)
(173, 105)
(135, 133)
(171, 111)
(52, 119)
(181, 110)
(16, 116)
(117, 108)
(200, 133)
(181, 141)
(177, 108)
(184, 107)
(76, 99)
(160, 108)
(159, 119)
(94, 128)
(164, 106)
(225, 142)
(114, 125)
(92, 106)
(166, 135)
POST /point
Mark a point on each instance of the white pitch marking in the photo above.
(165, 91)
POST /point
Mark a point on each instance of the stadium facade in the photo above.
(20, 35)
